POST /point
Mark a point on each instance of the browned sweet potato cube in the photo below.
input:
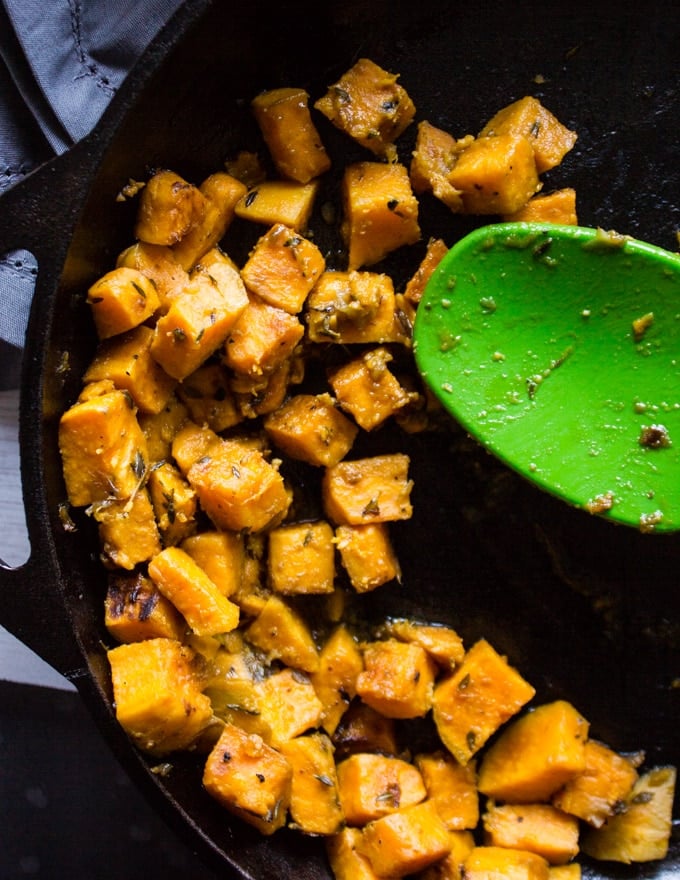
(442, 643)
(309, 427)
(208, 398)
(436, 249)
(157, 694)
(282, 634)
(206, 610)
(221, 555)
(301, 558)
(262, 339)
(369, 105)
(126, 360)
(368, 490)
(134, 610)
(397, 679)
(366, 388)
(282, 268)
(433, 159)
(340, 662)
(258, 395)
(496, 175)
(346, 862)
(481, 695)
(120, 300)
(373, 785)
(314, 802)
(290, 134)
(249, 778)
(103, 449)
(160, 428)
(535, 755)
(221, 192)
(362, 729)
(192, 442)
(537, 828)
(128, 533)
(279, 201)
(199, 319)
(489, 862)
(288, 704)
(451, 866)
(555, 207)
(380, 212)
(367, 555)
(168, 207)
(174, 502)
(159, 264)
(238, 488)
(452, 788)
(527, 117)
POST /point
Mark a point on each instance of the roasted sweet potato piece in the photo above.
(369, 105)
(367, 555)
(168, 207)
(537, 828)
(472, 703)
(489, 862)
(451, 866)
(160, 428)
(120, 300)
(288, 704)
(535, 755)
(249, 778)
(174, 502)
(128, 533)
(314, 802)
(282, 634)
(340, 662)
(290, 134)
(441, 642)
(405, 842)
(309, 427)
(374, 785)
(368, 490)
(159, 264)
(452, 788)
(208, 398)
(262, 339)
(301, 559)
(346, 862)
(157, 694)
(191, 443)
(397, 679)
(221, 555)
(279, 201)
(554, 207)
(415, 287)
(433, 159)
(380, 212)
(134, 610)
(362, 729)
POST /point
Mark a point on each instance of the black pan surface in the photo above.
(587, 611)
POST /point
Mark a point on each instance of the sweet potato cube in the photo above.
(314, 801)
(199, 320)
(451, 866)
(191, 443)
(535, 755)
(159, 264)
(380, 212)
(103, 449)
(441, 642)
(596, 793)
(554, 207)
(310, 428)
(369, 105)
(491, 862)
(290, 134)
(221, 555)
(527, 117)
(373, 785)
(415, 287)
(397, 679)
(340, 662)
(120, 300)
(250, 778)
(208, 398)
(452, 788)
(349, 308)
(406, 841)
(160, 428)
(168, 207)
(282, 268)
(301, 558)
(134, 610)
(472, 703)
(221, 192)
(368, 490)
(262, 339)
(433, 159)
(365, 388)
(288, 704)
(367, 555)
(279, 201)
(496, 175)
(157, 694)
(537, 828)
(362, 729)
(126, 360)
(346, 862)
(565, 872)
(192, 592)
(174, 502)
(282, 634)
(128, 533)
(238, 488)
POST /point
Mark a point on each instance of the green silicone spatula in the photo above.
(558, 348)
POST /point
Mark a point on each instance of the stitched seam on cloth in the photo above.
(89, 67)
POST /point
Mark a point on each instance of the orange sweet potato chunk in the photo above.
(168, 207)
(120, 300)
(373, 785)
(367, 555)
(136, 610)
(310, 427)
(433, 159)
(368, 490)
(397, 679)
(262, 339)
(554, 207)
(537, 828)
(452, 788)
(490, 862)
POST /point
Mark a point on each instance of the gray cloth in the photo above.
(61, 62)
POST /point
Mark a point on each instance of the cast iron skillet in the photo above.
(588, 611)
